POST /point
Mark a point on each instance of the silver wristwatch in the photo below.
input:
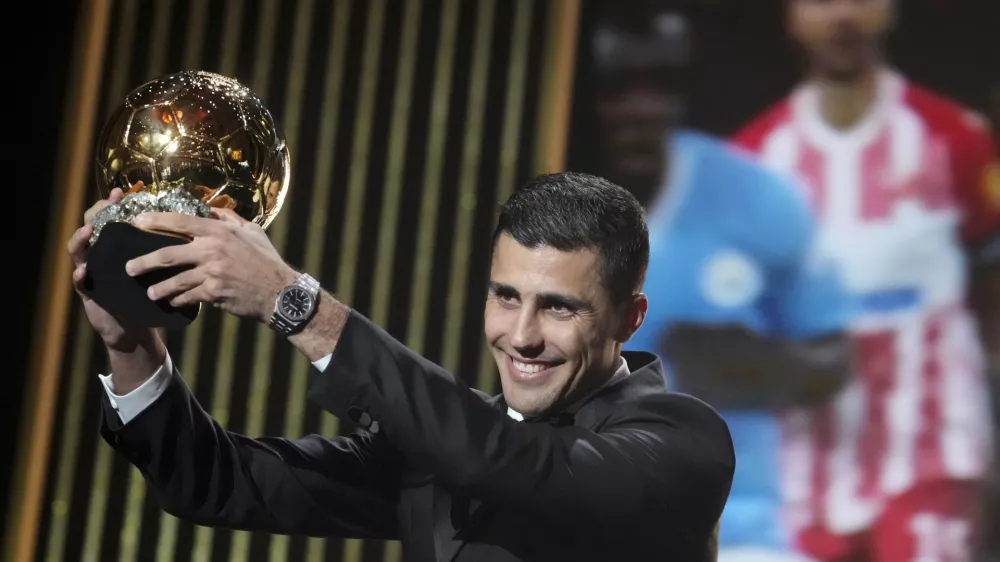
(295, 306)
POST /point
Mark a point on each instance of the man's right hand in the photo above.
(135, 353)
(107, 326)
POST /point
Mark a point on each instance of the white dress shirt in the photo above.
(132, 404)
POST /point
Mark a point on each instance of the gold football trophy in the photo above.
(182, 143)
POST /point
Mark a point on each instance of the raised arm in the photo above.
(200, 472)
(661, 461)
(194, 467)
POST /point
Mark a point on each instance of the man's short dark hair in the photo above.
(571, 211)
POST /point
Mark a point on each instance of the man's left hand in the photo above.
(235, 267)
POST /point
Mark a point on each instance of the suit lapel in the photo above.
(453, 513)
(468, 515)
(446, 541)
(647, 379)
(458, 517)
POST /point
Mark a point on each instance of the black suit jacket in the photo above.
(637, 473)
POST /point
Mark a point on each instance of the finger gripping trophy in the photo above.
(182, 143)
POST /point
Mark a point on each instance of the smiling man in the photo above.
(584, 456)
(564, 291)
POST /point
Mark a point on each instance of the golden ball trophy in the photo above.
(182, 143)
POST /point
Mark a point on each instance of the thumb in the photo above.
(79, 278)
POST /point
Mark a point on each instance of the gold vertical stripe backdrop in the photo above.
(70, 428)
(540, 90)
(356, 184)
(385, 248)
(329, 425)
(468, 174)
(324, 173)
(394, 175)
(557, 88)
(321, 190)
(59, 506)
(421, 281)
(278, 233)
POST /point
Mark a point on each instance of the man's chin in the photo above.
(843, 68)
(527, 406)
(843, 75)
(525, 401)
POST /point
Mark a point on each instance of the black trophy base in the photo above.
(125, 296)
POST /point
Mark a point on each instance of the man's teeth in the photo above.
(526, 368)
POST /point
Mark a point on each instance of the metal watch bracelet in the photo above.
(278, 321)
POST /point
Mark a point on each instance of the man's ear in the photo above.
(634, 315)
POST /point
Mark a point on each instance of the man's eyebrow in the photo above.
(545, 299)
(568, 301)
(497, 287)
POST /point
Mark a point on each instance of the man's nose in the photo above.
(847, 10)
(527, 334)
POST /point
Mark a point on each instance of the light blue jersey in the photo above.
(732, 243)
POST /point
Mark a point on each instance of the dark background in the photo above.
(52, 54)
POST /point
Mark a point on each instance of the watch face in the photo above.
(296, 303)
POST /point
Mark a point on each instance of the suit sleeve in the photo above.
(651, 457)
(202, 473)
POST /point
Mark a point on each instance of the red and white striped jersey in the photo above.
(898, 197)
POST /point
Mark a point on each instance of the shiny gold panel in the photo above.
(387, 113)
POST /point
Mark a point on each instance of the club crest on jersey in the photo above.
(991, 184)
(730, 278)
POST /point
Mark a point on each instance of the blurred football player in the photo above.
(748, 318)
(905, 184)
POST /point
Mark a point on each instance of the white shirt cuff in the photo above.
(321, 363)
(132, 404)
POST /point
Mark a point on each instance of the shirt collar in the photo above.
(622, 372)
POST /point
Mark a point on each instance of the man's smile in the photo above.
(530, 371)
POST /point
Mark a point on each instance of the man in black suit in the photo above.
(584, 456)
